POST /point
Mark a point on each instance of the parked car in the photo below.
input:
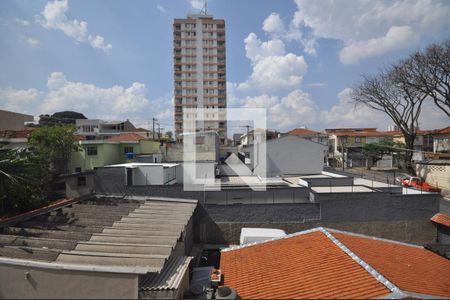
(419, 183)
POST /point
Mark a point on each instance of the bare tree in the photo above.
(428, 72)
(387, 93)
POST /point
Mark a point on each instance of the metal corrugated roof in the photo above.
(143, 226)
(170, 277)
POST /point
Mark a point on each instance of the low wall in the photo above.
(380, 207)
(408, 231)
(22, 282)
(434, 174)
(399, 217)
(337, 181)
(78, 185)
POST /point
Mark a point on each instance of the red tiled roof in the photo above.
(304, 132)
(15, 134)
(412, 269)
(360, 133)
(140, 129)
(311, 265)
(351, 129)
(304, 266)
(445, 130)
(441, 219)
(127, 137)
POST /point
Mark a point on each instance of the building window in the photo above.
(92, 151)
(77, 170)
(128, 150)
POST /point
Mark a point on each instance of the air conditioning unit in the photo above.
(225, 292)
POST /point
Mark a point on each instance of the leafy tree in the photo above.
(169, 134)
(60, 118)
(54, 146)
(375, 151)
(23, 184)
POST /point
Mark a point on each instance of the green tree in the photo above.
(23, 184)
(60, 118)
(375, 151)
(54, 146)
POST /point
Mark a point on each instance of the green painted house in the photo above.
(99, 153)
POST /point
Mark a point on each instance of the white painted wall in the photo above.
(154, 175)
(41, 283)
(291, 155)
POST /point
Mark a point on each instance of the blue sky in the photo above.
(299, 59)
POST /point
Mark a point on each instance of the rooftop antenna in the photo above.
(204, 10)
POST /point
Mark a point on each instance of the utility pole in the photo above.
(159, 131)
(153, 130)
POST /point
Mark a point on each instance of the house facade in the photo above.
(116, 150)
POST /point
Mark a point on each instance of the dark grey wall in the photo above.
(395, 216)
(380, 207)
(404, 218)
(443, 234)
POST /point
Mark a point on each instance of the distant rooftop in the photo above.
(136, 165)
(134, 137)
(304, 132)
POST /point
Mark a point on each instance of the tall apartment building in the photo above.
(200, 75)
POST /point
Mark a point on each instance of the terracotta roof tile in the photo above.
(310, 265)
(304, 132)
(15, 134)
(445, 130)
(412, 269)
(140, 129)
(304, 266)
(127, 137)
(441, 219)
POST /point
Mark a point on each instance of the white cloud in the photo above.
(19, 100)
(161, 8)
(54, 17)
(273, 24)
(33, 43)
(396, 38)
(116, 100)
(295, 109)
(99, 43)
(256, 50)
(95, 102)
(367, 28)
(346, 114)
(272, 68)
(165, 115)
(23, 22)
(197, 4)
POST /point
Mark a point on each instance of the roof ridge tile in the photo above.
(372, 237)
(378, 276)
